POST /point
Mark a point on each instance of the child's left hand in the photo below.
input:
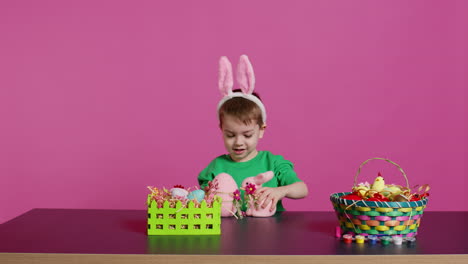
(266, 194)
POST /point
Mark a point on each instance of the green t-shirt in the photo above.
(263, 162)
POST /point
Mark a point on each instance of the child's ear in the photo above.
(262, 131)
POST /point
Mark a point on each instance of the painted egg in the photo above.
(400, 198)
(391, 192)
(197, 194)
(351, 196)
(179, 192)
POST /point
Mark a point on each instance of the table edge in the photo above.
(226, 259)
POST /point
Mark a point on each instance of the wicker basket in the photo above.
(378, 218)
(180, 220)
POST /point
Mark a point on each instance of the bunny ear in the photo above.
(245, 75)
(225, 81)
(263, 177)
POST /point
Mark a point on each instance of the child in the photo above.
(242, 118)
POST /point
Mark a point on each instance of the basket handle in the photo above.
(387, 160)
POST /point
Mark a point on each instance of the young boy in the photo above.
(242, 119)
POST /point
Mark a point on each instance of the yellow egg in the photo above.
(391, 191)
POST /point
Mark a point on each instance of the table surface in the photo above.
(92, 231)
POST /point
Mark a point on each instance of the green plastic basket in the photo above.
(180, 220)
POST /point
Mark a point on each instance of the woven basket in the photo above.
(378, 218)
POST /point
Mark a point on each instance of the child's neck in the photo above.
(250, 156)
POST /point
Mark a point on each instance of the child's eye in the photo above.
(248, 136)
(230, 136)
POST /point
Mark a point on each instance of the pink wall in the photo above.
(99, 99)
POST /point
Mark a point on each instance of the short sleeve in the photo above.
(284, 171)
(205, 176)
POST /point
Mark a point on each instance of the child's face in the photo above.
(240, 139)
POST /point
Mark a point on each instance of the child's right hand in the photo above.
(268, 194)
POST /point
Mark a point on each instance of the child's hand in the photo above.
(266, 194)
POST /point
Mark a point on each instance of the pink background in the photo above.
(99, 99)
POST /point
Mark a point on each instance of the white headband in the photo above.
(245, 78)
(250, 97)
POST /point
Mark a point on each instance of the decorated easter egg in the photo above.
(351, 196)
(391, 191)
(378, 198)
(179, 193)
(197, 194)
(400, 198)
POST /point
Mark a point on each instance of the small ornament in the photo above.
(362, 189)
(385, 240)
(372, 239)
(379, 184)
(179, 193)
(351, 196)
(378, 198)
(347, 238)
(250, 189)
(400, 198)
(397, 240)
(410, 240)
(199, 195)
(337, 231)
(360, 239)
(236, 195)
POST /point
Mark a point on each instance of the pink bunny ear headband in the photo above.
(245, 78)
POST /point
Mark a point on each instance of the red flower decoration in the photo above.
(236, 195)
(250, 188)
(179, 186)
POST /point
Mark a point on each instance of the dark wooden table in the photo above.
(117, 236)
